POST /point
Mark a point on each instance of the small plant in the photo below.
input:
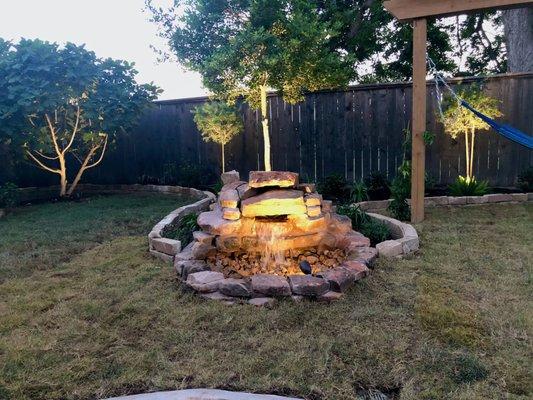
(525, 180)
(376, 231)
(378, 186)
(400, 192)
(334, 187)
(468, 186)
(8, 195)
(218, 122)
(359, 192)
(183, 232)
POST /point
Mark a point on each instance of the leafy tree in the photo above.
(64, 104)
(244, 48)
(218, 122)
(458, 120)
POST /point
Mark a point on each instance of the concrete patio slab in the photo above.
(202, 394)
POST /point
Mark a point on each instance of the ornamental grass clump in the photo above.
(468, 186)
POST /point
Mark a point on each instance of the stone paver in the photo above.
(202, 394)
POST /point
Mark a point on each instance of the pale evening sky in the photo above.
(111, 28)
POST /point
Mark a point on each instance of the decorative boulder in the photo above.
(230, 177)
(274, 203)
(282, 179)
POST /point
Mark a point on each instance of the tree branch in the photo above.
(73, 131)
(101, 155)
(53, 134)
(45, 156)
(40, 164)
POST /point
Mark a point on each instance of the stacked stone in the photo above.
(309, 225)
(268, 194)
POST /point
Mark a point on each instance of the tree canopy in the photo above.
(60, 101)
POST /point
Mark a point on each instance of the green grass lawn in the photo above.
(86, 313)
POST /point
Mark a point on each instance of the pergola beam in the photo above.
(407, 10)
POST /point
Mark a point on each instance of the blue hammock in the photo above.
(505, 130)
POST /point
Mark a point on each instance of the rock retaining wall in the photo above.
(439, 201)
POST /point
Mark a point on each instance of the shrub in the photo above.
(183, 232)
(8, 195)
(358, 192)
(376, 231)
(378, 186)
(400, 192)
(525, 180)
(334, 187)
(468, 187)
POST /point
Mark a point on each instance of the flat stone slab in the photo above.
(340, 279)
(366, 255)
(245, 191)
(270, 285)
(202, 394)
(307, 285)
(167, 246)
(231, 214)
(357, 269)
(283, 179)
(389, 248)
(274, 202)
(306, 187)
(234, 288)
(313, 199)
(205, 281)
(314, 211)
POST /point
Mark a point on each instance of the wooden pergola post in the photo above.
(418, 162)
(418, 11)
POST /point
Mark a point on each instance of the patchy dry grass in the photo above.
(99, 317)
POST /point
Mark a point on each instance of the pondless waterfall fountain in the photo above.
(260, 236)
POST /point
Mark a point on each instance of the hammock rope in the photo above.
(506, 131)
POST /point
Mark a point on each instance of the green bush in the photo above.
(358, 192)
(400, 192)
(525, 180)
(376, 231)
(183, 232)
(334, 187)
(8, 195)
(468, 187)
(378, 186)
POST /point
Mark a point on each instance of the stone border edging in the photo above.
(31, 194)
(439, 201)
(202, 394)
(404, 237)
(164, 248)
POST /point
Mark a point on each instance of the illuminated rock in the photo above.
(229, 198)
(213, 222)
(203, 237)
(231, 214)
(313, 199)
(327, 206)
(273, 203)
(282, 179)
(306, 187)
(314, 211)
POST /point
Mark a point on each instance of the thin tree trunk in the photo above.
(264, 121)
(467, 153)
(518, 29)
(473, 136)
(63, 175)
(81, 171)
(223, 160)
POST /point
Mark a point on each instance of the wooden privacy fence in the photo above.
(352, 132)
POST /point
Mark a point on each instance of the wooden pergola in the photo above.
(417, 12)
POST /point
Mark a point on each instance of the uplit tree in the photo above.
(458, 120)
(219, 123)
(64, 105)
(245, 48)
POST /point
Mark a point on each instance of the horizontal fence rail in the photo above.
(352, 132)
